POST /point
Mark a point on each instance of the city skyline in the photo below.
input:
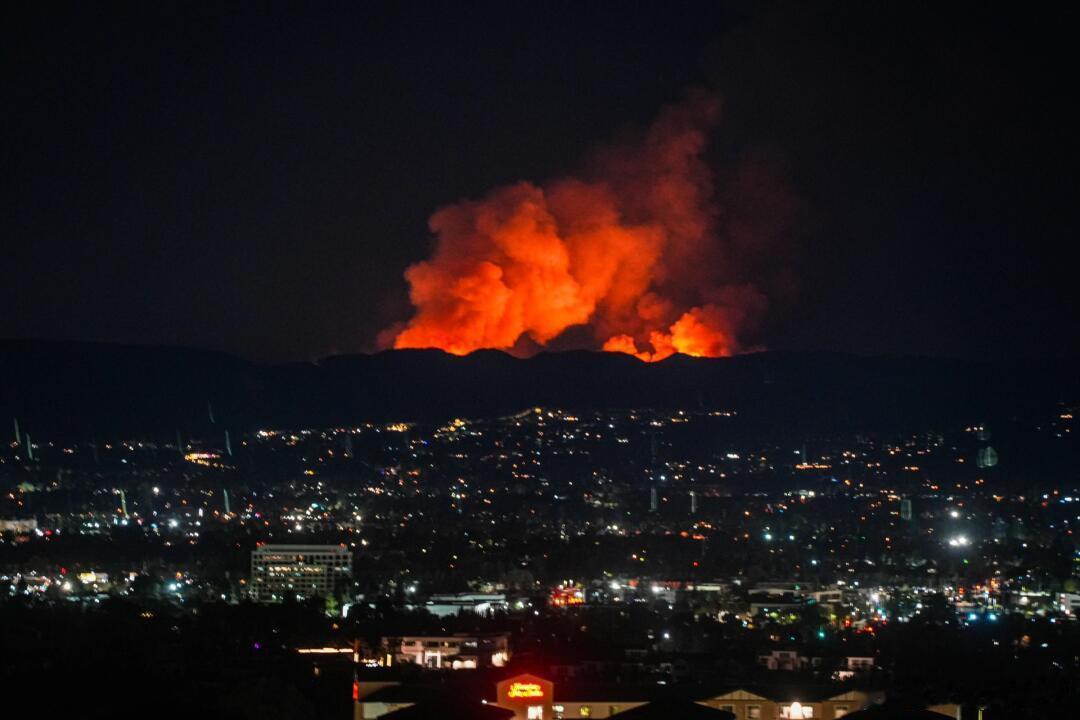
(539, 361)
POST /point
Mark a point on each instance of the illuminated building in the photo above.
(565, 596)
(448, 605)
(18, 527)
(789, 660)
(530, 697)
(987, 458)
(455, 652)
(1069, 603)
(298, 571)
(772, 705)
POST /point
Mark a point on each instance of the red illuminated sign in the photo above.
(564, 596)
(525, 690)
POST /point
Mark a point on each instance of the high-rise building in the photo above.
(298, 571)
(987, 458)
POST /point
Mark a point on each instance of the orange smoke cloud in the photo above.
(707, 331)
(631, 249)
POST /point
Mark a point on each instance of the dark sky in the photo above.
(255, 179)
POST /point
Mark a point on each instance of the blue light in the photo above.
(973, 617)
(992, 617)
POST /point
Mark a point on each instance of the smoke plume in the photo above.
(637, 248)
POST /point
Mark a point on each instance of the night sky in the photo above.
(256, 179)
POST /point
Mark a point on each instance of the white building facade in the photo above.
(280, 572)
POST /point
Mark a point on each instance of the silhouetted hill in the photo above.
(81, 388)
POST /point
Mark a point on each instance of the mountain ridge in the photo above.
(75, 388)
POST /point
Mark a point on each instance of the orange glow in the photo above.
(635, 251)
(525, 690)
(566, 596)
(707, 331)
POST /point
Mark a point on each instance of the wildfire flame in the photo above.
(631, 249)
